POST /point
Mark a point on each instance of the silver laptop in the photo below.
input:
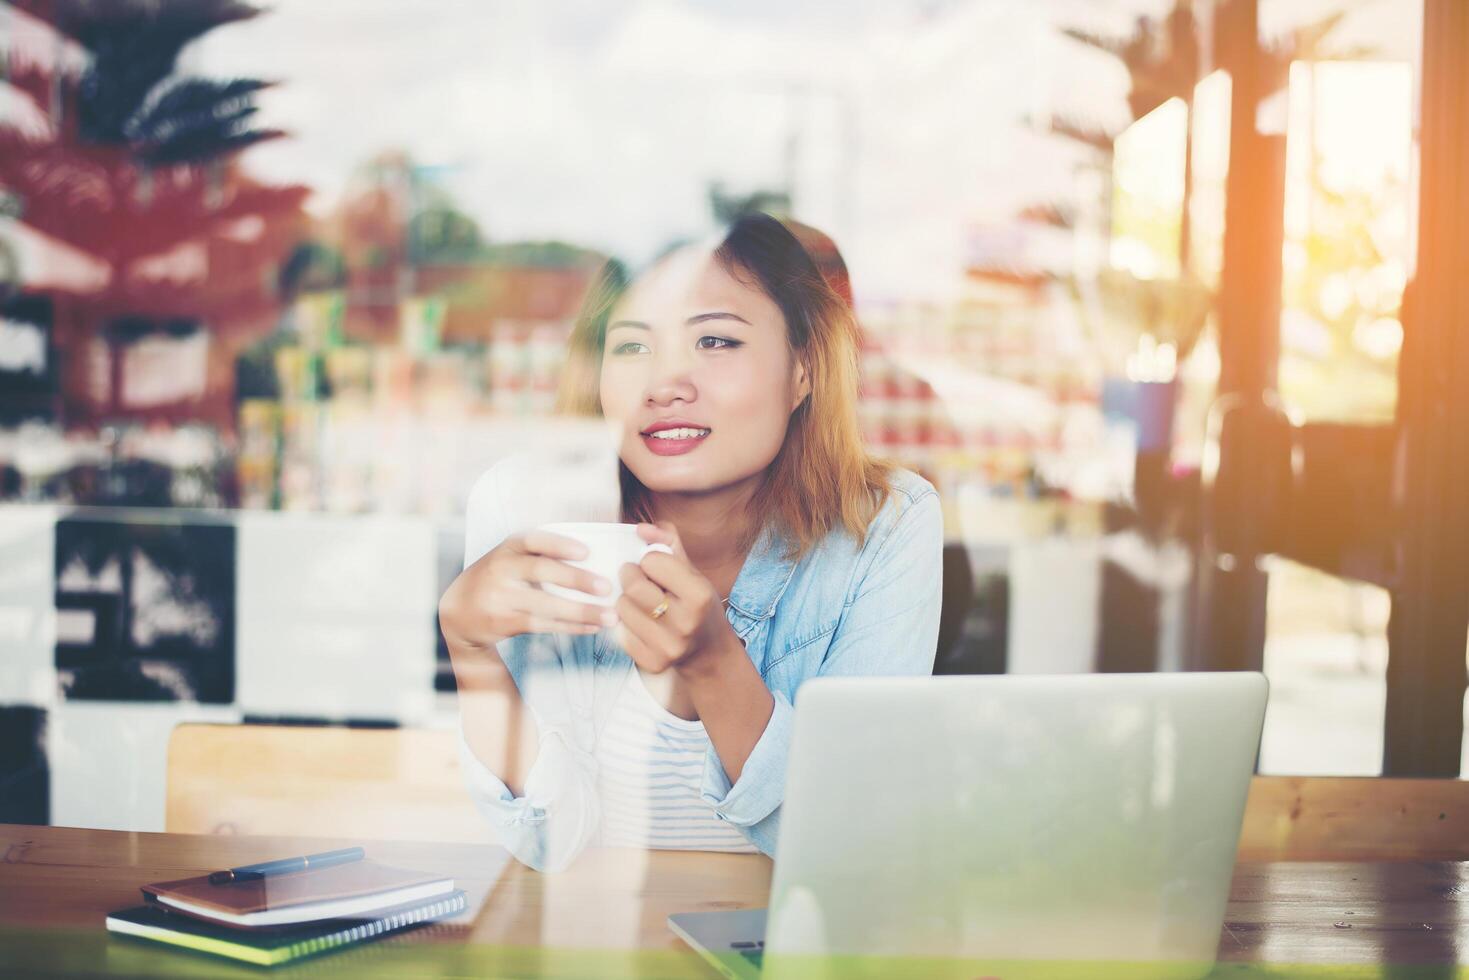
(1011, 826)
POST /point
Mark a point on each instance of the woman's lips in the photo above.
(671, 447)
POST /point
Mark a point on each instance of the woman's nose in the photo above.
(671, 379)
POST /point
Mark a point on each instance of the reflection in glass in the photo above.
(1347, 237)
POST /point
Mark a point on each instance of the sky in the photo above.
(911, 130)
(900, 125)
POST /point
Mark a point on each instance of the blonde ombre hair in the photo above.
(822, 477)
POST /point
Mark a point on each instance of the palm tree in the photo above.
(130, 94)
(1161, 57)
(137, 166)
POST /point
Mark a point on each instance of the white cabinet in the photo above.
(335, 616)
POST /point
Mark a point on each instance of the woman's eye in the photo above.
(719, 343)
(628, 347)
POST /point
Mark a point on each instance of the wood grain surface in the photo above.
(1355, 818)
(605, 916)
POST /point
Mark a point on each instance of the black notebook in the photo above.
(270, 947)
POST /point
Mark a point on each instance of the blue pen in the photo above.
(254, 872)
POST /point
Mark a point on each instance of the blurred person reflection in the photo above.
(730, 370)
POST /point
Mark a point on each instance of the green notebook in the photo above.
(270, 947)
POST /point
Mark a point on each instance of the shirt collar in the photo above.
(764, 576)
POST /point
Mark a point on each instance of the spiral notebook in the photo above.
(356, 889)
(272, 947)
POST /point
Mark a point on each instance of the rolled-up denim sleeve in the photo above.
(558, 816)
(889, 628)
(752, 803)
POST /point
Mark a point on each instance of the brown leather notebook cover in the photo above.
(338, 881)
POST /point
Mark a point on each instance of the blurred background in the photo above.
(1161, 294)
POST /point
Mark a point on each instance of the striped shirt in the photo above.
(844, 608)
(650, 768)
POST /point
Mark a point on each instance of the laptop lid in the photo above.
(1070, 825)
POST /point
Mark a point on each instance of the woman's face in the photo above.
(696, 353)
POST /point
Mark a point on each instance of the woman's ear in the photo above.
(803, 385)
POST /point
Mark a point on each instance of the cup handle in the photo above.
(654, 546)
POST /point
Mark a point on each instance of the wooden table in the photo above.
(605, 917)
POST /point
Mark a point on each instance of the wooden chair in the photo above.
(404, 784)
(1368, 818)
(382, 784)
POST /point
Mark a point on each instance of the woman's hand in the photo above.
(693, 623)
(500, 596)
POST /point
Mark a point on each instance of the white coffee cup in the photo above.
(609, 547)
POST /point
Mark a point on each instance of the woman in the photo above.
(731, 374)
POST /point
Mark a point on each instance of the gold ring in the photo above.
(660, 609)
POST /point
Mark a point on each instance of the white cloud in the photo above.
(603, 123)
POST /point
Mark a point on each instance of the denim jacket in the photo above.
(843, 609)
